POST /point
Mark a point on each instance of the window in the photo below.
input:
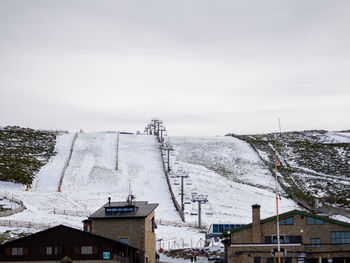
(257, 259)
(118, 210)
(87, 250)
(17, 251)
(88, 228)
(340, 237)
(215, 228)
(313, 221)
(124, 240)
(315, 242)
(283, 239)
(151, 224)
(287, 221)
(48, 250)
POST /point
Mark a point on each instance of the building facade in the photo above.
(130, 222)
(65, 244)
(304, 238)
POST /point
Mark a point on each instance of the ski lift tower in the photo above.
(200, 199)
(182, 174)
(167, 147)
(162, 129)
(155, 124)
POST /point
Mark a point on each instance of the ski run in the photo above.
(92, 176)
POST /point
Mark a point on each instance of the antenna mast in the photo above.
(276, 190)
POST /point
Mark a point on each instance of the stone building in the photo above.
(130, 222)
(304, 238)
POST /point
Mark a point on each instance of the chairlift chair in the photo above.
(194, 191)
(193, 212)
(187, 200)
(189, 182)
(210, 211)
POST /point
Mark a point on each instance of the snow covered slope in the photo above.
(91, 178)
(231, 174)
(47, 179)
(140, 164)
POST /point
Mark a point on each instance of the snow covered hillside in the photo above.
(312, 164)
(230, 173)
(226, 169)
(91, 177)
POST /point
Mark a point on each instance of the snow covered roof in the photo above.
(141, 209)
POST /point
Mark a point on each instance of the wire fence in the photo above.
(180, 244)
(67, 212)
(26, 224)
(20, 206)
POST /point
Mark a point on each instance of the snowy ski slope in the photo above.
(230, 173)
(91, 178)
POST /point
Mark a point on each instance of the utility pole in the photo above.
(200, 199)
(182, 174)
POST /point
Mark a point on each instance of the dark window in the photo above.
(268, 239)
(312, 260)
(257, 259)
(275, 252)
(315, 242)
(151, 224)
(124, 240)
(287, 221)
(342, 237)
(283, 239)
(86, 250)
(313, 221)
(270, 260)
(215, 228)
(288, 260)
(17, 251)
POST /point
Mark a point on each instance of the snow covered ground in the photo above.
(230, 173)
(225, 169)
(91, 178)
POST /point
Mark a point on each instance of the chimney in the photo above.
(256, 232)
(109, 200)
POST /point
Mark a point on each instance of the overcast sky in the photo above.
(203, 67)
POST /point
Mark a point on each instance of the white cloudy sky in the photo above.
(204, 67)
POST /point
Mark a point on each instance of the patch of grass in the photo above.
(23, 152)
(305, 153)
